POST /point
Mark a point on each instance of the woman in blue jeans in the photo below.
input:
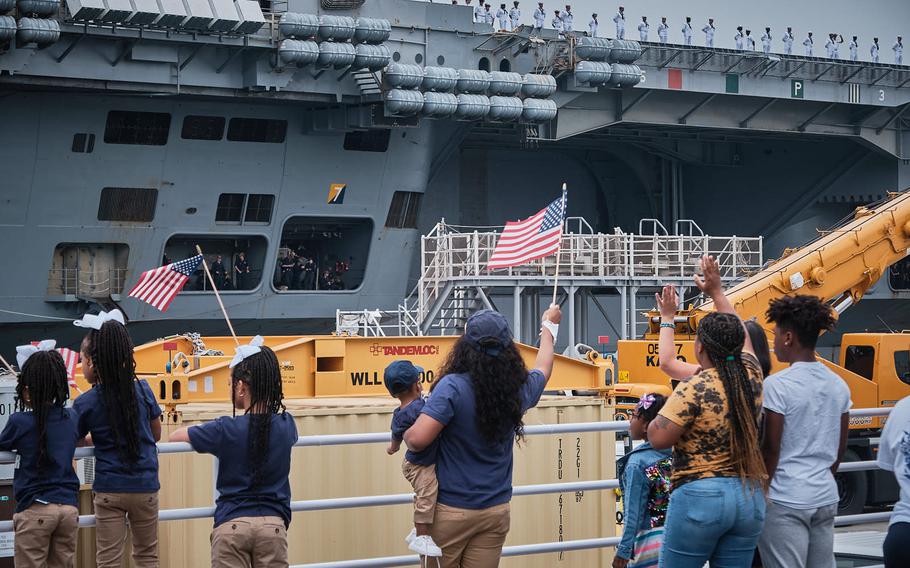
(717, 507)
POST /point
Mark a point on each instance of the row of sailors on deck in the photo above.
(563, 22)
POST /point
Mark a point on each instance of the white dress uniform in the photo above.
(788, 43)
(540, 16)
(488, 17)
(592, 27)
(836, 48)
(873, 51)
(663, 32)
(620, 21)
(829, 48)
(766, 43)
(807, 43)
(515, 16)
(854, 50)
(750, 43)
(898, 48)
(643, 29)
(738, 40)
(709, 35)
(687, 33)
(567, 20)
(479, 18)
(503, 16)
(557, 23)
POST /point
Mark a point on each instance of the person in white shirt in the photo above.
(540, 16)
(788, 41)
(502, 15)
(898, 49)
(807, 43)
(557, 22)
(894, 456)
(567, 19)
(687, 31)
(643, 29)
(854, 49)
(487, 15)
(592, 25)
(515, 15)
(873, 51)
(806, 423)
(709, 33)
(620, 20)
(750, 41)
(766, 41)
(479, 18)
(738, 38)
(663, 30)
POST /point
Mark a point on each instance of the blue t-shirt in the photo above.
(112, 475)
(473, 473)
(404, 418)
(57, 482)
(226, 438)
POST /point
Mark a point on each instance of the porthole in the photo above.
(440, 60)
(418, 59)
(190, 210)
(396, 57)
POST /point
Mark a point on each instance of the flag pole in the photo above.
(205, 267)
(8, 366)
(559, 249)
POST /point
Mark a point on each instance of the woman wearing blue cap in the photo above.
(475, 411)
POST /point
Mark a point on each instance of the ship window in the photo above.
(367, 140)
(860, 359)
(505, 65)
(259, 208)
(322, 253)
(235, 272)
(899, 275)
(144, 128)
(128, 204)
(483, 64)
(202, 127)
(257, 130)
(404, 209)
(902, 366)
(253, 208)
(230, 207)
(88, 270)
(83, 143)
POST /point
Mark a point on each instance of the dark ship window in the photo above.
(144, 128)
(257, 130)
(322, 253)
(483, 64)
(259, 208)
(505, 65)
(229, 247)
(253, 208)
(860, 359)
(129, 204)
(203, 128)
(230, 207)
(83, 143)
(367, 140)
(403, 211)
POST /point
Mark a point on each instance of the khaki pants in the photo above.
(113, 513)
(46, 536)
(470, 538)
(250, 542)
(423, 479)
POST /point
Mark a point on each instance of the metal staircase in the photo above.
(369, 84)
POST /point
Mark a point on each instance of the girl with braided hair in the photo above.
(43, 433)
(123, 420)
(253, 509)
(717, 507)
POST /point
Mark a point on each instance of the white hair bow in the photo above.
(23, 352)
(244, 351)
(96, 321)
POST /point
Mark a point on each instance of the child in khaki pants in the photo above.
(402, 379)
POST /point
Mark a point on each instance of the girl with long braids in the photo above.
(123, 419)
(717, 507)
(43, 433)
(475, 411)
(253, 509)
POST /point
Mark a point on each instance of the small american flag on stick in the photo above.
(158, 286)
(535, 237)
(70, 359)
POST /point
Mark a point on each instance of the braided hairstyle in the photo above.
(497, 381)
(114, 367)
(262, 376)
(42, 388)
(723, 336)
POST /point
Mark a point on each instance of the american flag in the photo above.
(159, 286)
(70, 359)
(535, 237)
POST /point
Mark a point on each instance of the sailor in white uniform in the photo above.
(750, 41)
(788, 41)
(807, 43)
(620, 20)
(592, 25)
(557, 22)
(709, 33)
(898, 49)
(687, 31)
(540, 16)
(503, 16)
(766, 41)
(738, 38)
(854, 49)
(479, 18)
(838, 39)
(515, 15)
(873, 51)
(487, 15)
(643, 28)
(663, 30)
(567, 19)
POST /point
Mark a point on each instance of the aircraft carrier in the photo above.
(134, 130)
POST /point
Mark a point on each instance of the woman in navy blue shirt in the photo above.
(123, 419)
(253, 509)
(476, 411)
(43, 433)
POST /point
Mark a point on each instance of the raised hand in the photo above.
(709, 280)
(667, 302)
